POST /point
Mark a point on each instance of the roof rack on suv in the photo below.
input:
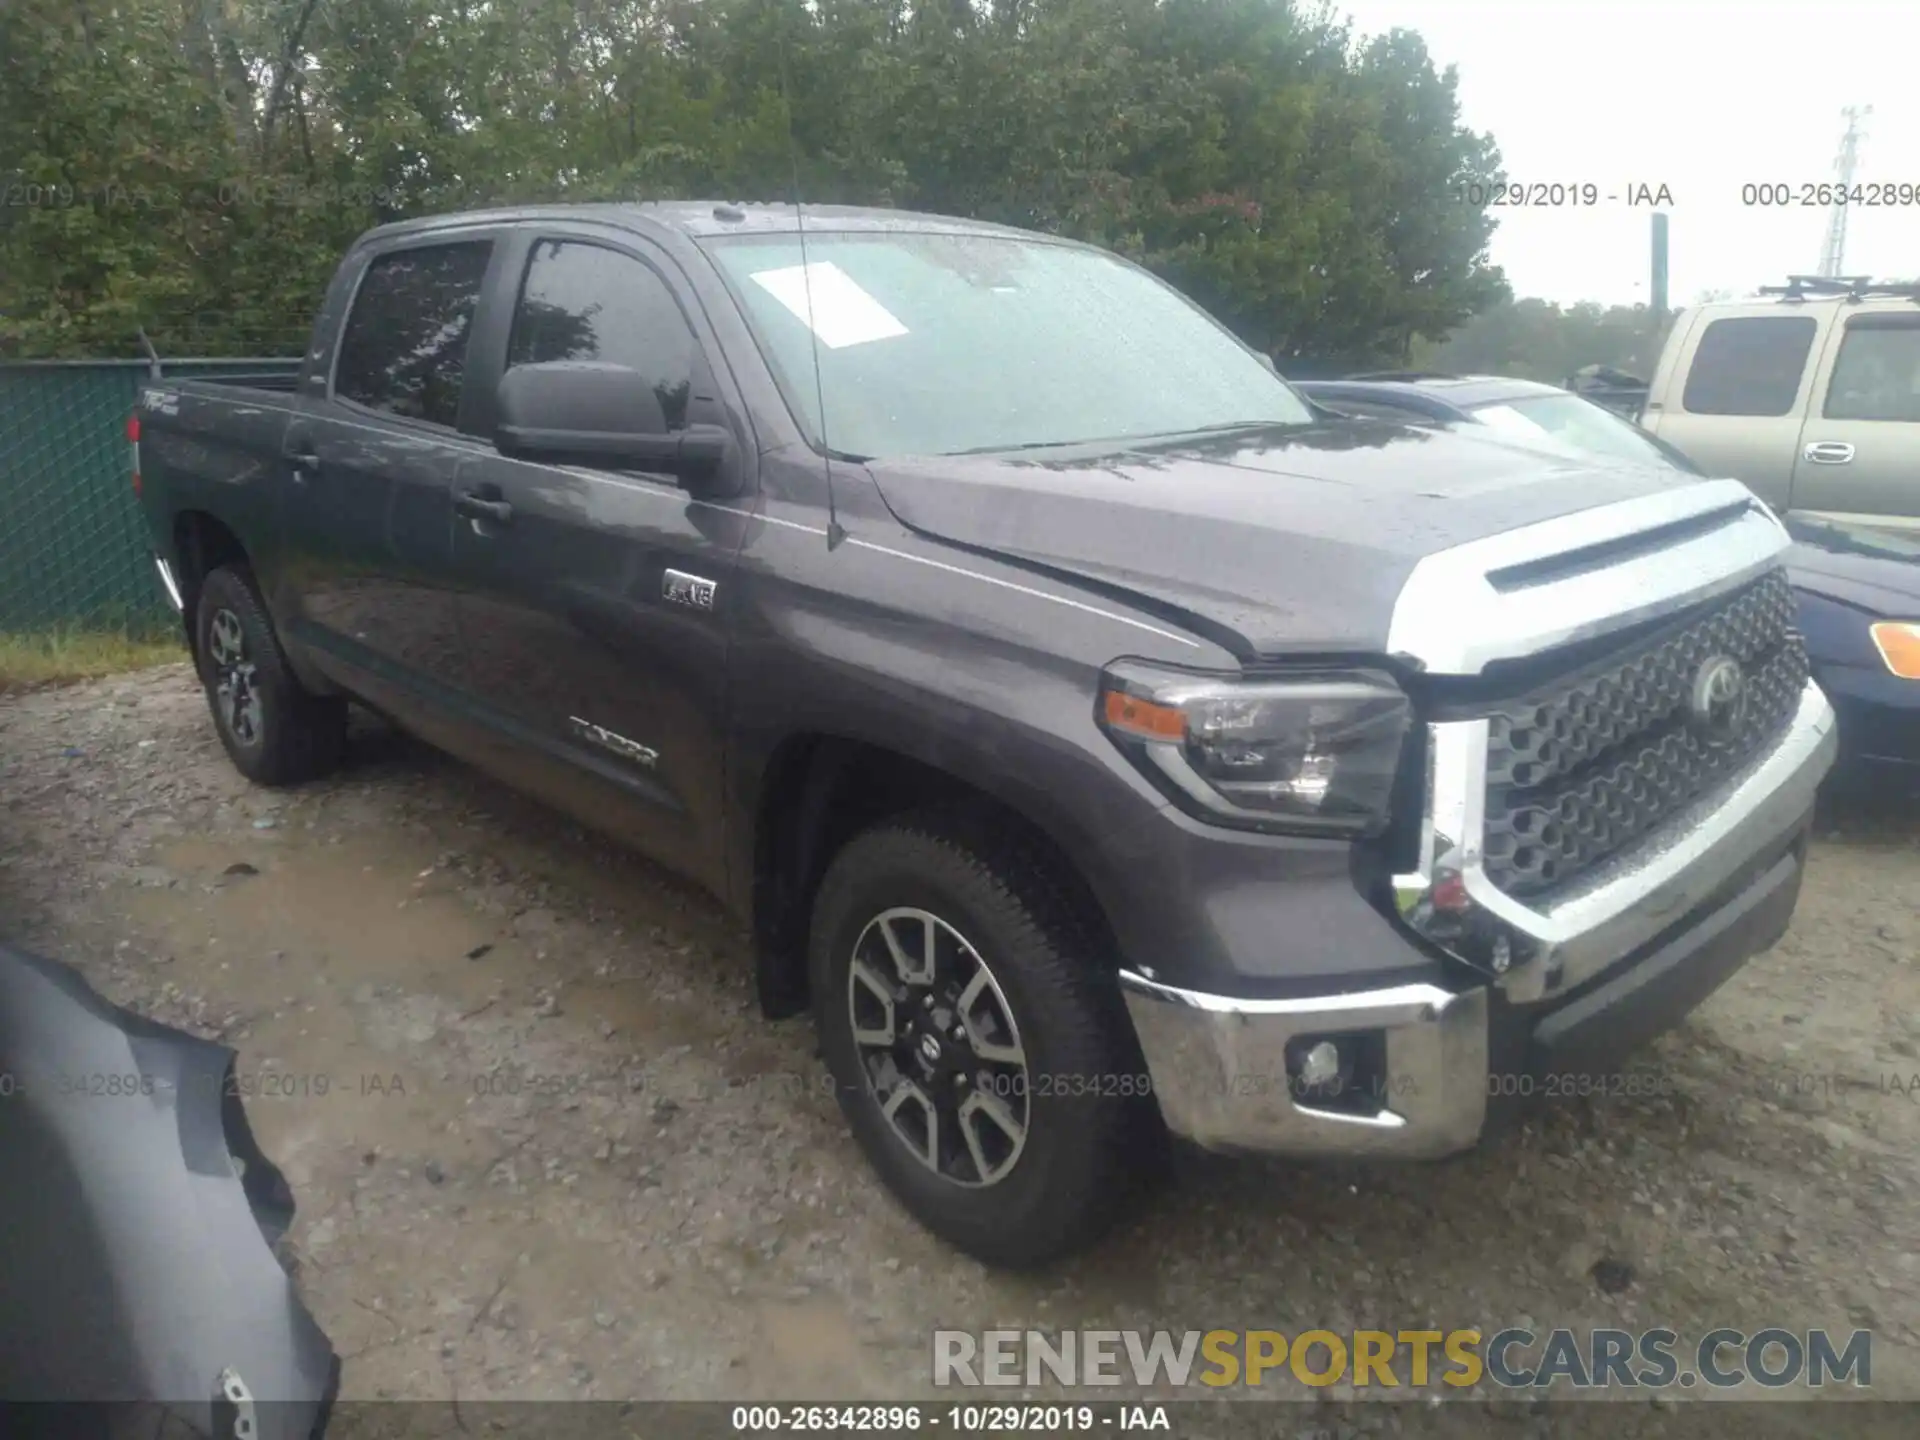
(1405, 376)
(1849, 287)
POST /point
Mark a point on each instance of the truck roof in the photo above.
(701, 219)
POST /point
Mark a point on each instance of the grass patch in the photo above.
(67, 653)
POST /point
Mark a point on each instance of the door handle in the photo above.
(1829, 452)
(303, 463)
(479, 507)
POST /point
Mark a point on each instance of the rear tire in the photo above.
(1009, 1110)
(275, 731)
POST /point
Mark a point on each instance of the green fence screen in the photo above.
(73, 546)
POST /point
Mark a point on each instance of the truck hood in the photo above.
(1272, 541)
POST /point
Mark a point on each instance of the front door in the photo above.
(1860, 448)
(594, 603)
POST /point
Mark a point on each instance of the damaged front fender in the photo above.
(137, 1225)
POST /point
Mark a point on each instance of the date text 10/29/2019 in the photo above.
(1560, 194)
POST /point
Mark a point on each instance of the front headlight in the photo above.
(1899, 645)
(1315, 753)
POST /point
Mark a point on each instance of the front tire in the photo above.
(981, 1053)
(275, 731)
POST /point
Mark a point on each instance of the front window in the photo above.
(582, 301)
(1576, 424)
(933, 344)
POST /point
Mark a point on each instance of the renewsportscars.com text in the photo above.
(1511, 1358)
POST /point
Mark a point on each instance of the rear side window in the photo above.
(405, 345)
(1876, 375)
(586, 302)
(1749, 365)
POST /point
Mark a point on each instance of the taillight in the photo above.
(133, 438)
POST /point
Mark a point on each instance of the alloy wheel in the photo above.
(939, 1046)
(236, 689)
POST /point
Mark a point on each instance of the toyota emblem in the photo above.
(1719, 701)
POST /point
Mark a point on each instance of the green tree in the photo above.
(1539, 340)
(219, 153)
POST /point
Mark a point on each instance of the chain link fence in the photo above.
(73, 545)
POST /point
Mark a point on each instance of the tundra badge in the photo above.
(680, 588)
(607, 740)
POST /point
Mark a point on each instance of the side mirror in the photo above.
(588, 411)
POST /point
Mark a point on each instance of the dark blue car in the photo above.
(1858, 587)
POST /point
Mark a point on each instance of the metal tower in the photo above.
(1833, 253)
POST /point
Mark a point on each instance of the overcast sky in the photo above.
(1700, 95)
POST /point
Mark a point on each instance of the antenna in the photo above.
(1833, 253)
(835, 534)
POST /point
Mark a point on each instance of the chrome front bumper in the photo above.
(1218, 1064)
(1219, 1071)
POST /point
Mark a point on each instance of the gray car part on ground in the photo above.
(138, 1220)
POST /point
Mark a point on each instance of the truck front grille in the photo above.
(1585, 767)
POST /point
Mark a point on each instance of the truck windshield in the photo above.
(936, 344)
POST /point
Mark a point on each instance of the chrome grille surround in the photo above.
(1574, 579)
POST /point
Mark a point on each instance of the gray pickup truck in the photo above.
(1099, 738)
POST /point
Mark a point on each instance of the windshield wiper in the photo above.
(1028, 445)
(1238, 425)
(1152, 437)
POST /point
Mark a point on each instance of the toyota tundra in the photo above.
(1099, 738)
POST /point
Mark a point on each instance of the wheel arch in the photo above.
(817, 791)
(202, 543)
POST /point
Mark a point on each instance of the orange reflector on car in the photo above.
(1144, 718)
(1899, 645)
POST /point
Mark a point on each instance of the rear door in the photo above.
(1860, 449)
(369, 518)
(594, 603)
(1738, 393)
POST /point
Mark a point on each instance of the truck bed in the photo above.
(215, 443)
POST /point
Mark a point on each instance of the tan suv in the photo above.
(1810, 393)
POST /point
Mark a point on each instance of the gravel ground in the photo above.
(558, 1153)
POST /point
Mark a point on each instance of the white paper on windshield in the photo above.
(842, 313)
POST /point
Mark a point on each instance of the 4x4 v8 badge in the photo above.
(677, 587)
